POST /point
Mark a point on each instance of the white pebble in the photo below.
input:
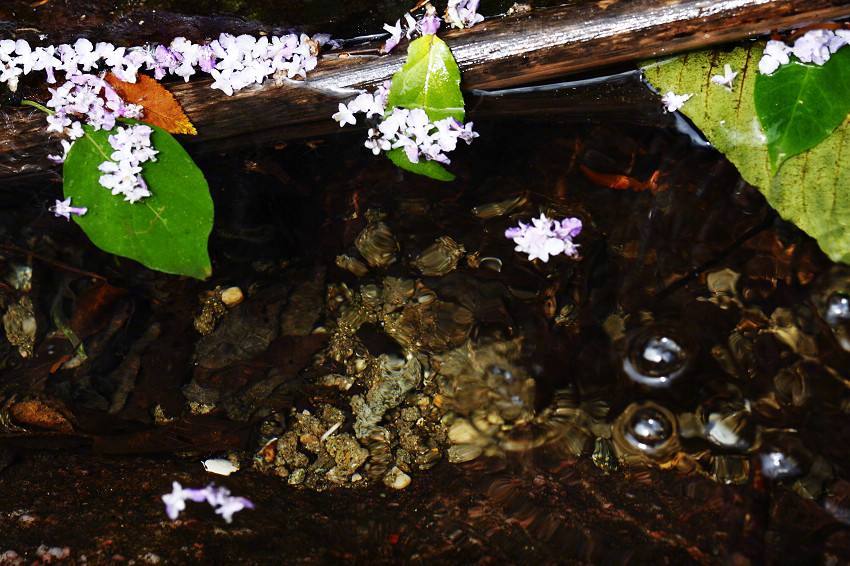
(232, 296)
(220, 466)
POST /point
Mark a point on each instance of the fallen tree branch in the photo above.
(503, 52)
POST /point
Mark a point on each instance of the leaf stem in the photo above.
(38, 106)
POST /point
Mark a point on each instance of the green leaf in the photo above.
(812, 189)
(167, 231)
(429, 79)
(423, 167)
(801, 104)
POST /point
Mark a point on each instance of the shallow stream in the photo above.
(398, 384)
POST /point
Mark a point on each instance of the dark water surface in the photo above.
(677, 395)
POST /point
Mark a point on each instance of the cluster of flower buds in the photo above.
(234, 61)
(815, 46)
(546, 237)
(218, 497)
(123, 173)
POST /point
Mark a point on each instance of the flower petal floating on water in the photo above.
(218, 497)
(63, 209)
(673, 102)
(726, 79)
(546, 237)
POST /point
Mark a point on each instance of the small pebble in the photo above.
(220, 466)
(232, 296)
(396, 479)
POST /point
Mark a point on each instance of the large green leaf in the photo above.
(801, 104)
(430, 80)
(167, 231)
(812, 189)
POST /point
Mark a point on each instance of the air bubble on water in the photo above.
(837, 309)
(655, 359)
(777, 465)
(646, 428)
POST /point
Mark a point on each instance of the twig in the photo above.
(58, 264)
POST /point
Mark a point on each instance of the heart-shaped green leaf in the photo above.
(167, 231)
(812, 189)
(801, 104)
(430, 80)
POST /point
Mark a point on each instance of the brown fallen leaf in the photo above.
(161, 108)
(40, 415)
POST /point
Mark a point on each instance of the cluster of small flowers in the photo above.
(90, 98)
(815, 46)
(219, 497)
(123, 174)
(408, 129)
(420, 138)
(234, 61)
(546, 237)
(463, 13)
(427, 25)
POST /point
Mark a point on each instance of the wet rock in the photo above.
(20, 326)
(352, 264)
(396, 479)
(245, 331)
(390, 381)
(435, 326)
(348, 454)
(305, 305)
(439, 258)
(212, 309)
(377, 244)
(604, 456)
(232, 296)
(463, 453)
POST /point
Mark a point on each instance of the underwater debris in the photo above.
(439, 258)
(20, 326)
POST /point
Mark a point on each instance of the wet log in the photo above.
(525, 48)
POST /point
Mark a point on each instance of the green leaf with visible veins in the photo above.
(430, 80)
(167, 231)
(811, 189)
(801, 104)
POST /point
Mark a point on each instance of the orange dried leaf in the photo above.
(40, 415)
(161, 108)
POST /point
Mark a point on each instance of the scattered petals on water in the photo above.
(673, 102)
(220, 498)
(546, 237)
(63, 209)
(727, 79)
